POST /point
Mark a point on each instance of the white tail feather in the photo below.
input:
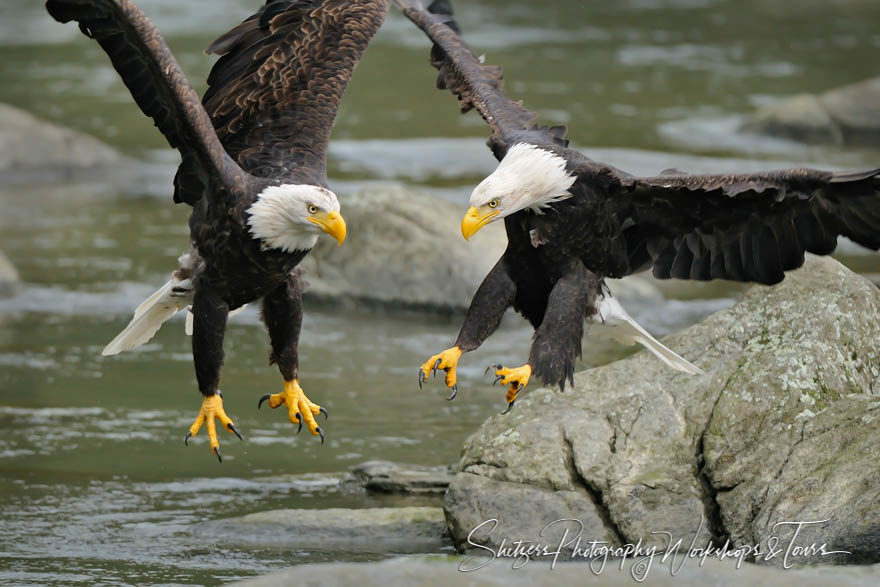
(152, 299)
(620, 326)
(149, 317)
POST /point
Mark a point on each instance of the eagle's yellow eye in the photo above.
(494, 203)
(313, 209)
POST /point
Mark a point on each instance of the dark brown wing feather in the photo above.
(275, 91)
(744, 227)
(157, 84)
(476, 85)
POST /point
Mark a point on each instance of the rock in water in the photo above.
(784, 427)
(34, 150)
(371, 530)
(9, 280)
(402, 478)
(447, 571)
(846, 115)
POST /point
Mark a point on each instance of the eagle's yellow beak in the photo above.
(475, 219)
(331, 223)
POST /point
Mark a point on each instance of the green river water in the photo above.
(96, 486)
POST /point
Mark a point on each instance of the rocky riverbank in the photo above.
(783, 427)
(774, 448)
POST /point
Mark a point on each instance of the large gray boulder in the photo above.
(845, 115)
(783, 427)
(35, 150)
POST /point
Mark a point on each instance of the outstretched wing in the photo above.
(744, 227)
(156, 82)
(476, 85)
(275, 91)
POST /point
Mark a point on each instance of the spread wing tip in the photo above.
(847, 176)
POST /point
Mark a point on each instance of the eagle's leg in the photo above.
(557, 341)
(282, 313)
(487, 307)
(209, 327)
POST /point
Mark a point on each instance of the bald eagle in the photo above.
(253, 169)
(572, 221)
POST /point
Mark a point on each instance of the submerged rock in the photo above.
(784, 427)
(389, 477)
(374, 530)
(428, 571)
(9, 279)
(35, 150)
(845, 115)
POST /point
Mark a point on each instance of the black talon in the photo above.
(509, 407)
(323, 411)
(186, 439)
(299, 418)
(234, 431)
(262, 399)
(454, 393)
(320, 433)
(421, 377)
(519, 387)
(497, 379)
(217, 452)
(437, 364)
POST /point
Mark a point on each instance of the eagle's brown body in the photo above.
(265, 121)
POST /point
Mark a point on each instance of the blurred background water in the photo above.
(95, 484)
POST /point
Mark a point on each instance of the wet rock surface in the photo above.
(783, 427)
(371, 530)
(846, 115)
(390, 477)
(446, 570)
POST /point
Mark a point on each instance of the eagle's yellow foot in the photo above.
(517, 378)
(447, 361)
(299, 407)
(212, 407)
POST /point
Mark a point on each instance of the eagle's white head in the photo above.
(290, 217)
(527, 177)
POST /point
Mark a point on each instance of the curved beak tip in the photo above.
(339, 230)
(473, 221)
(333, 224)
